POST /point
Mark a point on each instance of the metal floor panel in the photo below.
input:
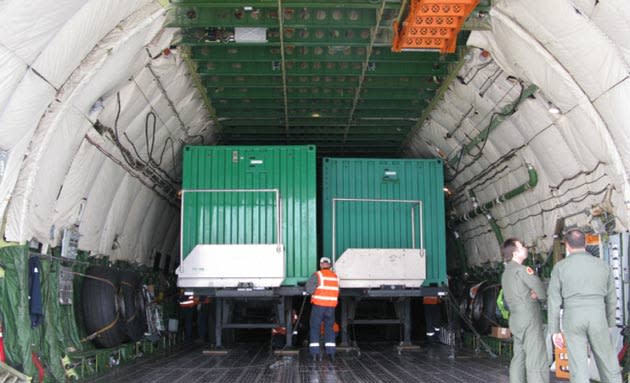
(253, 363)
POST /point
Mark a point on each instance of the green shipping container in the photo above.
(230, 196)
(376, 207)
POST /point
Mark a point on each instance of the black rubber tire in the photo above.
(475, 305)
(484, 309)
(463, 306)
(135, 319)
(100, 307)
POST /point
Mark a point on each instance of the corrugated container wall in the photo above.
(250, 218)
(385, 224)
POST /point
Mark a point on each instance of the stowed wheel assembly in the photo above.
(113, 306)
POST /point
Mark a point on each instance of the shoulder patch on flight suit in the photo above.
(529, 270)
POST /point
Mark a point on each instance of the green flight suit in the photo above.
(530, 362)
(584, 286)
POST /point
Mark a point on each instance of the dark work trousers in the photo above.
(187, 318)
(202, 320)
(319, 314)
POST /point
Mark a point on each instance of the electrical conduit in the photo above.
(485, 208)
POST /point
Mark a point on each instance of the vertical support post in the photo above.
(212, 320)
(226, 312)
(281, 314)
(413, 228)
(421, 221)
(288, 309)
(352, 310)
(334, 234)
(407, 321)
(279, 219)
(218, 322)
(181, 232)
(344, 322)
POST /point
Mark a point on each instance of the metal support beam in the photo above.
(407, 322)
(288, 320)
(345, 342)
(321, 53)
(280, 314)
(229, 293)
(316, 93)
(402, 308)
(249, 325)
(192, 42)
(196, 78)
(403, 311)
(395, 322)
(348, 311)
(218, 323)
(224, 309)
(368, 53)
(231, 4)
(306, 68)
(323, 103)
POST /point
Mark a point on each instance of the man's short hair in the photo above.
(508, 248)
(575, 238)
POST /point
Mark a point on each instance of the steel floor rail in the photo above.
(254, 363)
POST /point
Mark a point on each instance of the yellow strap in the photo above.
(101, 330)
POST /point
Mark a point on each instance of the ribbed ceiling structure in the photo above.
(318, 72)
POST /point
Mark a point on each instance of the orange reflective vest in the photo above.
(327, 289)
(188, 301)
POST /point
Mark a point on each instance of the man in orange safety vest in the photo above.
(324, 289)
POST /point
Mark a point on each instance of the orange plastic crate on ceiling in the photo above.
(432, 25)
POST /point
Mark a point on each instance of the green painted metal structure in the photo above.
(323, 72)
(385, 224)
(250, 217)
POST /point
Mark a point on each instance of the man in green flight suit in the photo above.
(522, 291)
(584, 286)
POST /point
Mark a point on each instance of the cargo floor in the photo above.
(250, 363)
